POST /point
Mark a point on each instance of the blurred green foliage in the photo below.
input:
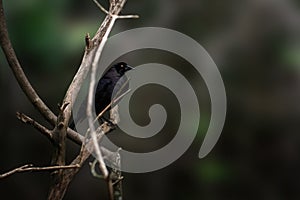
(212, 171)
(46, 36)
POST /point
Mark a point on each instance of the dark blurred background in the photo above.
(255, 44)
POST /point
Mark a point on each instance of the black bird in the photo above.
(112, 82)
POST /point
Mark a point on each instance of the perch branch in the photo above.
(115, 8)
(90, 99)
(90, 59)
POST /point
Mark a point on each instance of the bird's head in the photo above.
(122, 67)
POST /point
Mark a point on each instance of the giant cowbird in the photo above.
(113, 82)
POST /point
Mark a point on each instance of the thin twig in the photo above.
(128, 16)
(93, 169)
(117, 16)
(101, 7)
(27, 120)
(110, 104)
(31, 168)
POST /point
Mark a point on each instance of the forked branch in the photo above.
(62, 174)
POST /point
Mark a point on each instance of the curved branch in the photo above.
(19, 73)
(62, 178)
(24, 82)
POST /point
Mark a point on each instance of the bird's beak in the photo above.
(129, 68)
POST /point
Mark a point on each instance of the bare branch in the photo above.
(118, 16)
(114, 182)
(114, 10)
(58, 191)
(101, 7)
(128, 16)
(90, 100)
(90, 54)
(59, 137)
(90, 59)
(74, 136)
(31, 168)
(27, 120)
(62, 178)
(23, 81)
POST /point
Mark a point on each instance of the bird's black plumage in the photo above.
(112, 82)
